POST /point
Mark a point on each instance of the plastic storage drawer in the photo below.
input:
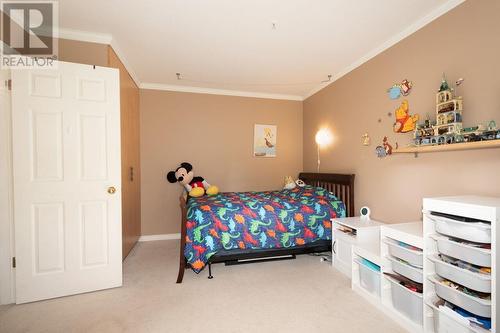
(472, 231)
(444, 323)
(369, 279)
(413, 257)
(408, 302)
(477, 306)
(470, 254)
(412, 273)
(475, 281)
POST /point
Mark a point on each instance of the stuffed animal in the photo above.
(289, 183)
(195, 186)
(300, 183)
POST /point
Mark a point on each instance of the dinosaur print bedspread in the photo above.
(258, 220)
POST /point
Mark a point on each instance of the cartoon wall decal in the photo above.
(404, 121)
(385, 149)
(365, 139)
(406, 87)
(387, 146)
(400, 89)
(380, 151)
(394, 92)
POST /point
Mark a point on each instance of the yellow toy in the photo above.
(404, 122)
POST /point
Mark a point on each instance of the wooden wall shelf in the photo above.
(448, 147)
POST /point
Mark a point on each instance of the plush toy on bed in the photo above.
(290, 184)
(195, 186)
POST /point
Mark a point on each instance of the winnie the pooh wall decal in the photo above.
(404, 121)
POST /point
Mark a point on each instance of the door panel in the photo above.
(66, 155)
(94, 233)
(92, 147)
(45, 85)
(48, 226)
(47, 145)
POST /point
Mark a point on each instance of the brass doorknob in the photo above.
(111, 190)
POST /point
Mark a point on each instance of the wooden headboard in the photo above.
(341, 185)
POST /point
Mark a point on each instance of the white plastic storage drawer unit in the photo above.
(448, 322)
(478, 232)
(369, 277)
(400, 250)
(475, 305)
(410, 272)
(460, 232)
(474, 255)
(475, 281)
(406, 301)
(348, 232)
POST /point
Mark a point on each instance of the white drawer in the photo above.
(369, 278)
(478, 232)
(448, 321)
(470, 254)
(412, 273)
(413, 257)
(475, 281)
(406, 301)
(477, 306)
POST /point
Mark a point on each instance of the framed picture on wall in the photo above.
(264, 140)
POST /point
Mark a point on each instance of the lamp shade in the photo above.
(323, 137)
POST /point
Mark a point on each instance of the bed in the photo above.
(242, 227)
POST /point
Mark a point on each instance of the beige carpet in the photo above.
(302, 295)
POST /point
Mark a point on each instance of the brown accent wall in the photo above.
(462, 43)
(83, 52)
(215, 134)
(130, 155)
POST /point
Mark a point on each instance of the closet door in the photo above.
(131, 173)
(67, 186)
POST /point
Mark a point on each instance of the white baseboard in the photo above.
(149, 238)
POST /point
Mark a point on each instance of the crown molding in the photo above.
(99, 38)
(441, 10)
(85, 36)
(212, 91)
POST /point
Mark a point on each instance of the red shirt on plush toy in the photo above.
(195, 186)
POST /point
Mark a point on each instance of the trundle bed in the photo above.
(235, 228)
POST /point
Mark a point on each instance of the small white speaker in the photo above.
(364, 213)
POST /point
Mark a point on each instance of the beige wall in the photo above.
(463, 43)
(215, 134)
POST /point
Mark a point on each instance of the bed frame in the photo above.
(341, 185)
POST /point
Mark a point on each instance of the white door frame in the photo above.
(7, 272)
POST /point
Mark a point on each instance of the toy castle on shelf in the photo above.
(448, 128)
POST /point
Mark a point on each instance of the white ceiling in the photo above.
(231, 46)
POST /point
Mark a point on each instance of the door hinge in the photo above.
(13, 262)
(8, 84)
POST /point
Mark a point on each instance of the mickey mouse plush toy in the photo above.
(195, 186)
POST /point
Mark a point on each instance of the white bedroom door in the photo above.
(67, 182)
